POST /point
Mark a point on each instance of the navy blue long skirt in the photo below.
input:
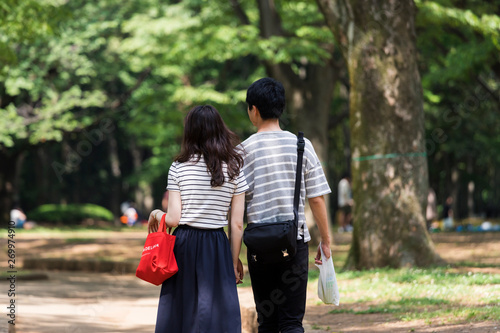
(202, 296)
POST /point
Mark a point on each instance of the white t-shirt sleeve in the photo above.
(314, 177)
(241, 184)
(173, 181)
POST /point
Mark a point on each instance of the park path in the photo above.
(84, 302)
(77, 302)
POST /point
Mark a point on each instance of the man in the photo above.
(431, 209)
(345, 203)
(270, 165)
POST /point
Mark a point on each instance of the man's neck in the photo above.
(270, 125)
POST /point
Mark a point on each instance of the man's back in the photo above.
(344, 192)
(270, 166)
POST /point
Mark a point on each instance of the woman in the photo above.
(203, 182)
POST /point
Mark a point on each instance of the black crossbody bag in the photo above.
(276, 242)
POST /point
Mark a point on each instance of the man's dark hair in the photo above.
(268, 95)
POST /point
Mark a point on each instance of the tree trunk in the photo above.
(470, 187)
(7, 180)
(347, 146)
(116, 173)
(42, 177)
(389, 167)
(143, 192)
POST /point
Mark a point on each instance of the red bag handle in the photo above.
(163, 225)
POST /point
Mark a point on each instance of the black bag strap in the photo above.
(298, 175)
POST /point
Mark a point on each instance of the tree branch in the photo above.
(240, 12)
(337, 16)
(122, 98)
(335, 120)
(483, 84)
(270, 21)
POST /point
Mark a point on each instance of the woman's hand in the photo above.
(238, 272)
(154, 221)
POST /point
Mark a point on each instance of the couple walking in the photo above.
(213, 174)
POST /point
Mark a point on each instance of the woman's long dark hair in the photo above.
(206, 134)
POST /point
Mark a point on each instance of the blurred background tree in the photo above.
(93, 93)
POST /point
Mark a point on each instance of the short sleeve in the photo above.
(241, 184)
(314, 177)
(173, 182)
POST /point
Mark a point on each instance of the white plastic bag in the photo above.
(328, 290)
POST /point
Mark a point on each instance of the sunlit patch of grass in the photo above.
(454, 313)
(427, 294)
(79, 240)
(441, 276)
(63, 229)
(474, 264)
(73, 231)
(19, 273)
(404, 305)
(408, 309)
(313, 274)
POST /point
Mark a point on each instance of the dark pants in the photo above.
(280, 292)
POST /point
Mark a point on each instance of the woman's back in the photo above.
(205, 179)
(203, 206)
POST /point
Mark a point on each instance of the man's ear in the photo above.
(255, 109)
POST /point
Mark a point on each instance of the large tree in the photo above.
(389, 169)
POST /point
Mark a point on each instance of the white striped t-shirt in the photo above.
(270, 165)
(203, 206)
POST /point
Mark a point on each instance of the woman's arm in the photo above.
(236, 229)
(173, 213)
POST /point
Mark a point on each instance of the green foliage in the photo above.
(70, 214)
(47, 91)
(142, 64)
(25, 20)
(459, 49)
(484, 23)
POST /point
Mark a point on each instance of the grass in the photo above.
(70, 231)
(77, 240)
(20, 274)
(429, 294)
(475, 264)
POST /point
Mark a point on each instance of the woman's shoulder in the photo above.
(193, 162)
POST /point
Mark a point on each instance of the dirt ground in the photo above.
(84, 302)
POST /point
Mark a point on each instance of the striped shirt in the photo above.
(203, 206)
(270, 166)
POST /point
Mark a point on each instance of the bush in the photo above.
(70, 214)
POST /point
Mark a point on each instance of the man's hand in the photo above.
(318, 208)
(326, 250)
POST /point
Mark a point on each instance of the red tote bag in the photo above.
(158, 261)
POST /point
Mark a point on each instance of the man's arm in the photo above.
(318, 208)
